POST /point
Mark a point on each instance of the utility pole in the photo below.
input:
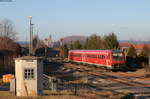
(31, 36)
(1, 29)
(32, 39)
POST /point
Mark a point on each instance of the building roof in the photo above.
(140, 46)
(125, 44)
(137, 46)
(29, 58)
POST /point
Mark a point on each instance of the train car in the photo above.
(111, 59)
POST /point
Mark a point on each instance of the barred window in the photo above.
(29, 74)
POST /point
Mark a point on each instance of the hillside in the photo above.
(70, 39)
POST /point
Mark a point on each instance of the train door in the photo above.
(97, 59)
(83, 58)
(101, 59)
(107, 59)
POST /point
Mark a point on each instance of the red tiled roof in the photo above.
(137, 46)
(125, 44)
(140, 46)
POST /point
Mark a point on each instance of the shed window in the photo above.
(29, 73)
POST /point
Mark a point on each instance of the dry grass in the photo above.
(64, 92)
(50, 95)
(44, 97)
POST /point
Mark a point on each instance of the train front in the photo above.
(118, 59)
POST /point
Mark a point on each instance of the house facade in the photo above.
(125, 46)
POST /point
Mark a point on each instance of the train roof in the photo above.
(115, 51)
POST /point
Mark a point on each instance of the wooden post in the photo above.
(147, 67)
(149, 58)
(149, 62)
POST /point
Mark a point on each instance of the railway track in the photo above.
(120, 77)
(98, 76)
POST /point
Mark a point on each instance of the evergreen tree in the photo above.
(111, 42)
(93, 42)
(71, 45)
(76, 45)
(64, 51)
(131, 52)
(85, 46)
(145, 51)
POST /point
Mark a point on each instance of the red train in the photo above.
(111, 59)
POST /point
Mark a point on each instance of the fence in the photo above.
(54, 84)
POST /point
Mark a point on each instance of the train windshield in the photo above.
(118, 56)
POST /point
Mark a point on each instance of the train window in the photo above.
(108, 56)
(99, 56)
(89, 56)
(118, 56)
(103, 57)
(77, 55)
(93, 56)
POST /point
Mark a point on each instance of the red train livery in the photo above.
(111, 59)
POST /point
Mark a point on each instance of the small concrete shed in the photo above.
(29, 76)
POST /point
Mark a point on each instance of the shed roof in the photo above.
(29, 58)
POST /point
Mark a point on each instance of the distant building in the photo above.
(8, 50)
(139, 47)
(56, 44)
(125, 46)
(48, 41)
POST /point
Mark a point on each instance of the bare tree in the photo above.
(36, 41)
(7, 29)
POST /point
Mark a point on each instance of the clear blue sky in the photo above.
(129, 19)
